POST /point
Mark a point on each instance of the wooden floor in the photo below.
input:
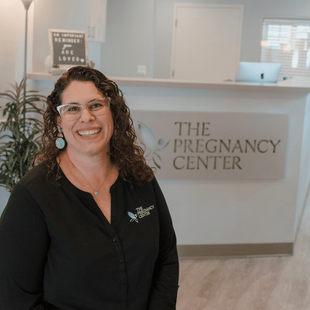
(265, 283)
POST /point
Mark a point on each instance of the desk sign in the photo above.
(68, 48)
(213, 146)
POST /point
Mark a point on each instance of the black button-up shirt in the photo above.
(59, 252)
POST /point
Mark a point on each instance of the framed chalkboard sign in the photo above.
(68, 48)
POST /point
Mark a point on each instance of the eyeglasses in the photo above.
(73, 111)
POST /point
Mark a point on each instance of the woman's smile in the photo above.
(88, 132)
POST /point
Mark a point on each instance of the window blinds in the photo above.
(287, 41)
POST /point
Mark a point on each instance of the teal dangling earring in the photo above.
(60, 142)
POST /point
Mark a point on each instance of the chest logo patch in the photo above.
(141, 213)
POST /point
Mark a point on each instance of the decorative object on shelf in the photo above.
(20, 133)
(56, 71)
(91, 64)
(48, 63)
(50, 68)
(68, 48)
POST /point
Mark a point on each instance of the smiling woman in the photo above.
(88, 131)
(89, 220)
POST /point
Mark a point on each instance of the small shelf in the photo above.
(170, 83)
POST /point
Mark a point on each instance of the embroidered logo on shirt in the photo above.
(133, 217)
(141, 213)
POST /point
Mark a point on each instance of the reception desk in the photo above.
(235, 217)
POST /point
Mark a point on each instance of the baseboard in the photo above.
(234, 250)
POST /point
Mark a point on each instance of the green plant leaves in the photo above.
(20, 134)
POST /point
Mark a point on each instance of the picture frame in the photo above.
(68, 48)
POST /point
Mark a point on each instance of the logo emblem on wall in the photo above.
(152, 145)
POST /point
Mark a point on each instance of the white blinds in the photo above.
(287, 41)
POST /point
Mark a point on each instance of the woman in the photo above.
(88, 227)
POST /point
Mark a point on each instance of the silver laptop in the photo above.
(258, 72)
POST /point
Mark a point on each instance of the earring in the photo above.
(60, 142)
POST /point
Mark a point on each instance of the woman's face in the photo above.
(90, 134)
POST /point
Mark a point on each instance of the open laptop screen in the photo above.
(258, 72)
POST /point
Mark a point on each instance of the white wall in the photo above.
(304, 176)
(129, 37)
(8, 44)
(12, 21)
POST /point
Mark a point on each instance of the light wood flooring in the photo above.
(264, 283)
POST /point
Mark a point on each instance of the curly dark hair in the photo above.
(124, 151)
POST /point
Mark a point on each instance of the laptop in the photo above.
(258, 72)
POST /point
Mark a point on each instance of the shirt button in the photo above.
(121, 260)
(115, 240)
(124, 282)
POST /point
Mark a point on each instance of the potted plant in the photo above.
(20, 133)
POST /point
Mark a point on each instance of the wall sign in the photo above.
(209, 146)
(68, 48)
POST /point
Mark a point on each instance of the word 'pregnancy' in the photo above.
(203, 152)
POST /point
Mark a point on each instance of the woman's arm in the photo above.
(24, 242)
(166, 273)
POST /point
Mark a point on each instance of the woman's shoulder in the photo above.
(34, 183)
(37, 173)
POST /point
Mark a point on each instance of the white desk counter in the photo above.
(235, 217)
(289, 85)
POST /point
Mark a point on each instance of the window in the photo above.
(287, 41)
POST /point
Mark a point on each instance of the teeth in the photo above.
(88, 132)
